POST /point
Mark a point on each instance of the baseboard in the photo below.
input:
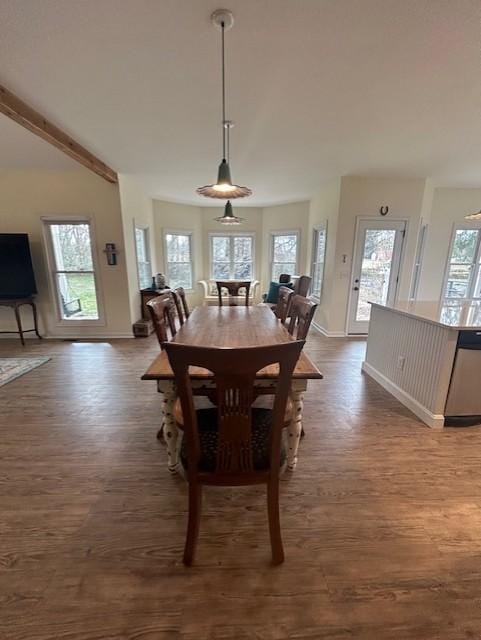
(91, 336)
(328, 334)
(433, 420)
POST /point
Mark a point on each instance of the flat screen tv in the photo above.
(17, 279)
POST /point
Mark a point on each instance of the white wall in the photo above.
(26, 196)
(449, 206)
(136, 207)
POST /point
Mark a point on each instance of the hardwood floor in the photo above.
(381, 520)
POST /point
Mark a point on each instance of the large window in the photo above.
(178, 259)
(231, 256)
(144, 268)
(318, 259)
(72, 266)
(284, 250)
(463, 277)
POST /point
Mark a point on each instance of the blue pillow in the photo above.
(274, 287)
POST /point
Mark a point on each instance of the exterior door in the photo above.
(375, 271)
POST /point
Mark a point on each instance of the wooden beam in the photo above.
(20, 112)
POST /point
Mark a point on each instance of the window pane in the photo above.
(284, 267)
(78, 300)
(220, 249)
(464, 245)
(178, 248)
(71, 247)
(375, 270)
(477, 288)
(458, 281)
(242, 270)
(242, 249)
(220, 270)
(180, 275)
(143, 260)
(285, 249)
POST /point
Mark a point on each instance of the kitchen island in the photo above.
(428, 355)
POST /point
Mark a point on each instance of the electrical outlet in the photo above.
(400, 363)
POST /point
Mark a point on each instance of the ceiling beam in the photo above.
(20, 112)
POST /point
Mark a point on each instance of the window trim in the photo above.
(179, 232)
(283, 232)
(48, 221)
(459, 226)
(322, 226)
(232, 235)
(143, 227)
(418, 259)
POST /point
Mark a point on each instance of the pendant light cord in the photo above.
(223, 95)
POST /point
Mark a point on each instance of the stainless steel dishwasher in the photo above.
(463, 406)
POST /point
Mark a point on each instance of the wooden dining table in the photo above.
(232, 327)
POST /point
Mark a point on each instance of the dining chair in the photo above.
(233, 444)
(162, 312)
(301, 314)
(283, 303)
(181, 304)
(233, 287)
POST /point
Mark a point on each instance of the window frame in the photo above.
(47, 222)
(418, 260)
(179, 232)
(146, 229)
(476, 263)
(231, 235)
(283, 232)
(316, 231)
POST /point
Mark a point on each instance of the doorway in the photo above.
(375, 270)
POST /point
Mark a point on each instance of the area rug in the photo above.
(11, 368)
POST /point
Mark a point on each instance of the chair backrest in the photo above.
(181, 304)
(302, 285)
(301, 312)
(233, 287)
(283, 303)
(234, 374)
(162, 312)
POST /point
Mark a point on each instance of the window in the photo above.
(178, 259)
(144, 269)
(284, 253)
(463, 276)
(318, 259)
(418, 262)
(231, 257)
(69, 245)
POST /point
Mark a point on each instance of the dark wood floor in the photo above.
(381, 520)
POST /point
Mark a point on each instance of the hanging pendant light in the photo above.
(224, 188)
(473, 216)
(229, 217)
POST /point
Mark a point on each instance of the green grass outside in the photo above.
(83, 287)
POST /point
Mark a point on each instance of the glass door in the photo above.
(375, 273)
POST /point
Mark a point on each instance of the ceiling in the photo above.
(316, 88)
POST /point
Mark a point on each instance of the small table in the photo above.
(231, 327)
(15, 304)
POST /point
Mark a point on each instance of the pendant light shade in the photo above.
(224, 187)
(473, 216)
(229, 217)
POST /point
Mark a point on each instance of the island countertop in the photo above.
(461, 315)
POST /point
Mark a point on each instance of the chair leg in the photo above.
(195, 505)
(274, 521)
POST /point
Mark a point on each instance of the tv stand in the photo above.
(15, 304)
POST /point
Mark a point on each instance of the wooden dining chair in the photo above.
(301, 314)
(233, 287)
(233, 443)
(181, 304)
(162, 312)
(283, 303)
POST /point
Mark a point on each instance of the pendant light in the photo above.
(229, 217)
(473, 216)
(224, 188)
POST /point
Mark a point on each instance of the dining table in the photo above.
(231, 327)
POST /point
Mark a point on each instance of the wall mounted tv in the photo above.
(17, 279)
